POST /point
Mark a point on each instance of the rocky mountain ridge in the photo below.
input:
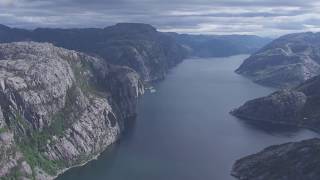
(297, 106)
(138, 46)
(59, 108)
(285, 62)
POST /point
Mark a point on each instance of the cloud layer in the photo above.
(260, 17)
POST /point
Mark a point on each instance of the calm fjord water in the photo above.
(184, 131)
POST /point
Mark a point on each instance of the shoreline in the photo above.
(254, 120)
(95, 157)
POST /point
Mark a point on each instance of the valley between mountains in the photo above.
(66, 95)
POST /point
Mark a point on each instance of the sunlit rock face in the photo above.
(285, 62)
(59, 108)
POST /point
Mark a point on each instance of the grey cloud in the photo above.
(261, 17)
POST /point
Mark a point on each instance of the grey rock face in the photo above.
(10, 158)
(88, 136)
(298, 106)
(282, 106)
(286, 62)
(290, 161)
(138, 46)
(59, 108)
(2, 122)
(34, 79)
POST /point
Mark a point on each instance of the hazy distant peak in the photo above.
(4, 27)
(132, 27)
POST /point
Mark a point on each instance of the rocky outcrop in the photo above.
(59, 108)
(220, 45)
(290, 161)
(298, 106)
(138, 46)
(285, 62)
(283, 106)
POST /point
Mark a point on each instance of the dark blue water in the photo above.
(184, 131)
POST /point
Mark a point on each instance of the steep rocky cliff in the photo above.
(285, 62)
(59, 108)
(299, 106)
(290, 161)
(139, 46)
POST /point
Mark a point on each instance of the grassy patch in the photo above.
(32, 143)
(3, 129)
(36, 159)
(83, 80)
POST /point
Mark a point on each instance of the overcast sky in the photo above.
(260, 17)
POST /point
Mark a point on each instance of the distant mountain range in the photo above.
(285, 62)
(220, 45)
(139, 46)
(61, 108)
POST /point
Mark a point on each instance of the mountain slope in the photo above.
(285, 62)
(139, 46)
(290, 161)
(59, 108)
(220, 46)
(299, 106)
